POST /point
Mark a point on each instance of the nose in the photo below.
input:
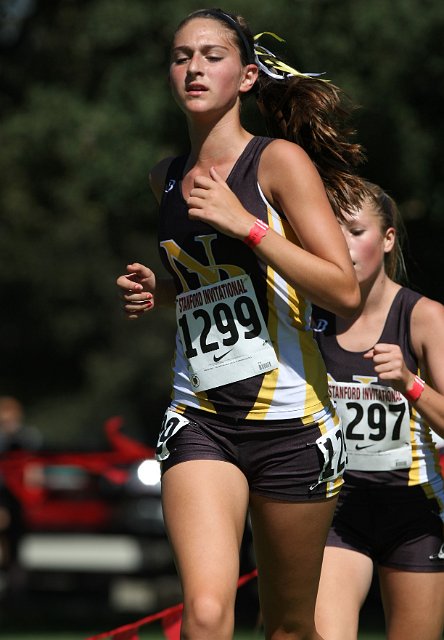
(194, 65)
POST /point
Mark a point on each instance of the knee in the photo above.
(207, 616)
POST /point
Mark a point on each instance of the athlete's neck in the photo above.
(376, 299)
(216, 144)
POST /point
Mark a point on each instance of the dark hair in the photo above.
(237, 26)
(309, 111)
(390, 216)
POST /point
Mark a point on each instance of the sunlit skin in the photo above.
(205, 73)
(368, 244)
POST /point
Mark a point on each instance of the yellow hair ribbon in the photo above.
(272, 66)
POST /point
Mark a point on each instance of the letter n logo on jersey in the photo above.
(207, 273)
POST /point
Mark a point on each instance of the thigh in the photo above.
(289, 540)
(205, 504)
(346, 578)
(413, 604)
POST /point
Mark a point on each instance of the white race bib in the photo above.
(376, 423)
(333, 450)
(223, 333)
(172, 423)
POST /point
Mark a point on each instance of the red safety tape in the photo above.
(171, 620)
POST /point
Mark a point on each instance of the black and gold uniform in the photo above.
(198, 257)
(392, 504)
(245, 353)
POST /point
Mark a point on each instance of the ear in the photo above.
(251, 73)
(389, 239)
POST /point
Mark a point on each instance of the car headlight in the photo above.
(148, 472)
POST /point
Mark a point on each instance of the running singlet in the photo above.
(244, 344)
(387, 440)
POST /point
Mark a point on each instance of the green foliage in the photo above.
(86, 111)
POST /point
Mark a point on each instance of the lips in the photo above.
(196, 87)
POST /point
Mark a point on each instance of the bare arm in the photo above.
(427, 335)
(318, 264)
(139, 287)
(321, 268)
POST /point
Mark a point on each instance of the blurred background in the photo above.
(85, 112)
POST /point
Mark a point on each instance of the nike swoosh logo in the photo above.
(439, 555)
(364, 446)
(219, 358)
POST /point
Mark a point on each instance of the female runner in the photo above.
(249, 235)
(387, 381)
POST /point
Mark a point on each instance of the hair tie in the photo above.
(270, 64)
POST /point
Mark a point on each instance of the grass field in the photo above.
(25, 625)
(246, 635)
(27, 628)
(56, 622)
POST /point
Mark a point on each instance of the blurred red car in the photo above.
(90, 523)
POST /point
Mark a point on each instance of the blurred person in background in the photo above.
(249, 236)
(15, 436)
(11, 530)
(387, 379)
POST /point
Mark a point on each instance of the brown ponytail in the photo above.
(314, 114)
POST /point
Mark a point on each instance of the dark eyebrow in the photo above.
(184, 48)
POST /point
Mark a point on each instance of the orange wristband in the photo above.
(415, 392)
(257, 232)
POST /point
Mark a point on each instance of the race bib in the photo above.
(376, 421)
(172, 423)
(223, 333)
(333, 450)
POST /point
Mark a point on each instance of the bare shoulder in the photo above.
(288, 176)
(157, 177)
(285, 162)
(428, 312)
(282, 151)
(427, 323)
